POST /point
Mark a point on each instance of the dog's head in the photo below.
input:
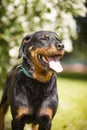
(42, 51)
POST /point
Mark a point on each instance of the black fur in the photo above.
(32, 99)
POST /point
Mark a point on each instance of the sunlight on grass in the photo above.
(72, 111)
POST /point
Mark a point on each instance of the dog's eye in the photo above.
(44, 39)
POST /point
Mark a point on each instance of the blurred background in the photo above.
(68, 18)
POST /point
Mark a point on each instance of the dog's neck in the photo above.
(42, 76)
(25, 71)
(27, 68)
(31, 72)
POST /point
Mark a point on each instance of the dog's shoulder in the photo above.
(14, 71)
(12, 74)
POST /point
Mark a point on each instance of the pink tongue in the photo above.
(55, 65)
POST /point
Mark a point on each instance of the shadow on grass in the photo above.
(78, 76)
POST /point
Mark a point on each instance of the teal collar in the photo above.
(25, 71)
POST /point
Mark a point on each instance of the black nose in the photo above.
(60, 46)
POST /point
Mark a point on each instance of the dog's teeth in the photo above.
(44, 59)
(58, 57)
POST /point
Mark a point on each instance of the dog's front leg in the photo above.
(17, 124)
(45, 123)
(46, 115)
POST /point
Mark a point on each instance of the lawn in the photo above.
(72, 111)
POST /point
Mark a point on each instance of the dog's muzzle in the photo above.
(60, 46)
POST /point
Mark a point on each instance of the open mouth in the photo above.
(52, 62)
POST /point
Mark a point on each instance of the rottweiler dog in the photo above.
(30, 88)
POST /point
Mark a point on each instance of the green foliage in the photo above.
(20, 17)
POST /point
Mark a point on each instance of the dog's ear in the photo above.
(23, 44)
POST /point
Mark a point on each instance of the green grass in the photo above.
(72, 111)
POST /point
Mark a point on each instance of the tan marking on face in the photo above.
(40, 73)
(23, 111)
(47, 111)
(47, 36)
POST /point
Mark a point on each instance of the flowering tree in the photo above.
(21, 17)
